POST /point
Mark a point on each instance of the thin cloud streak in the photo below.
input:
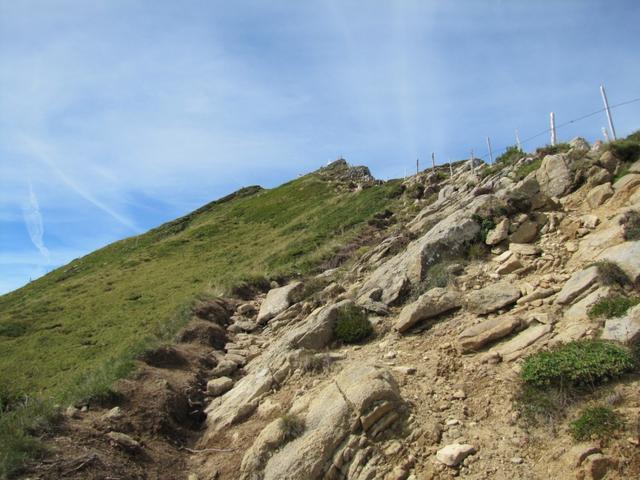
(34, 224)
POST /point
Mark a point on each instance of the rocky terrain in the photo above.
(480, 268)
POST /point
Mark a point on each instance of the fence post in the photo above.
(606, 108)
(450, 168)
(518, 140)
(552, 120)
(490, 151)
(606, 135)
(433, 159)
(417, 166)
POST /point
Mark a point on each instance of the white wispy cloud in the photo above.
(35, 225)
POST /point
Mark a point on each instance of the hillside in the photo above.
(476, 321)
(90, 314)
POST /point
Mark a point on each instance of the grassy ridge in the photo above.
(97, 310)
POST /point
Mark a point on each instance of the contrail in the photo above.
(41, 152)
(33, 221)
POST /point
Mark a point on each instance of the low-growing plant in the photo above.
(612, 307)
(523, 170)
(12, 329)
(352, 325)
(595, 423)
(626, 150)
(611, 273)
(313, 363)
(631, 225)
(477, 251)
(510, 156)
(582, 363)
(553, 149)
(486, 225)
(542, 405)
(292, 426)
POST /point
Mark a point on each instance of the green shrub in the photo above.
(611, 273)
(523, 170)
(631, 225)
(477, 251)
(634, 137)
(510, 156)
(626, 150)
(576, 364)
(486, 225)
(12, 329)
(553, 149)
(538, 405)
(612, 307)
(595, 423)
(352, 325)
(292, 426)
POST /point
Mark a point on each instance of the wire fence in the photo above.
(548, 131)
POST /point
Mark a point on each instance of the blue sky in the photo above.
(116, 116)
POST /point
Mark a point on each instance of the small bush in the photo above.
(626, 150)
(314, 363)
(611, 273)
(553, 149)
(510, 156)
(292, 426)
(612, 307)
(631, 225)
(486, 225)
(353, 325)
(477, 251)
(12, 329)
(595, 423)
(576, 364)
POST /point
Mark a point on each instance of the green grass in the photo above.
(352, 325)
(524, 170)
(583, 363)
(70, 334)
(626, 150)
(612, 307)
(595, 423)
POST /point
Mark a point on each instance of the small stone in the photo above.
(123, 440)
(389, 355)
(114, 414)
(453, 454)
(72, 412)
(218, 386)
(517, 460)
(459, 395)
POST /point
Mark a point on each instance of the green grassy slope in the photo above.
(97, 310)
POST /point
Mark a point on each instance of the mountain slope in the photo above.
(91, 314)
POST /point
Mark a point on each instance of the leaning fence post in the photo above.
(552, 120)
(490, 151)
(433, 159)
(606, 135)
(606, 108)
(518, 140)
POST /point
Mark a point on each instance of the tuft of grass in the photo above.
(352, 325)
(292, 426)
(486, 225)
(544, 406)
(477, 251)
(631, 225)
(314, 363)
(612, 307)
(611, 273)
(595, 423)
(552, 149)
(511, 155)
(582, 363)
(523, 170)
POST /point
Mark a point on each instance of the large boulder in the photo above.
(452, 455)
(525, 233)
(487, 331)
(362, 398)
(579, 311)
(409, 267)
(624, 329)
(492, 298)
(430, 304)
(627, 256)
(277, 301)
(555, 175)
(578, 284)
(600, 194)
